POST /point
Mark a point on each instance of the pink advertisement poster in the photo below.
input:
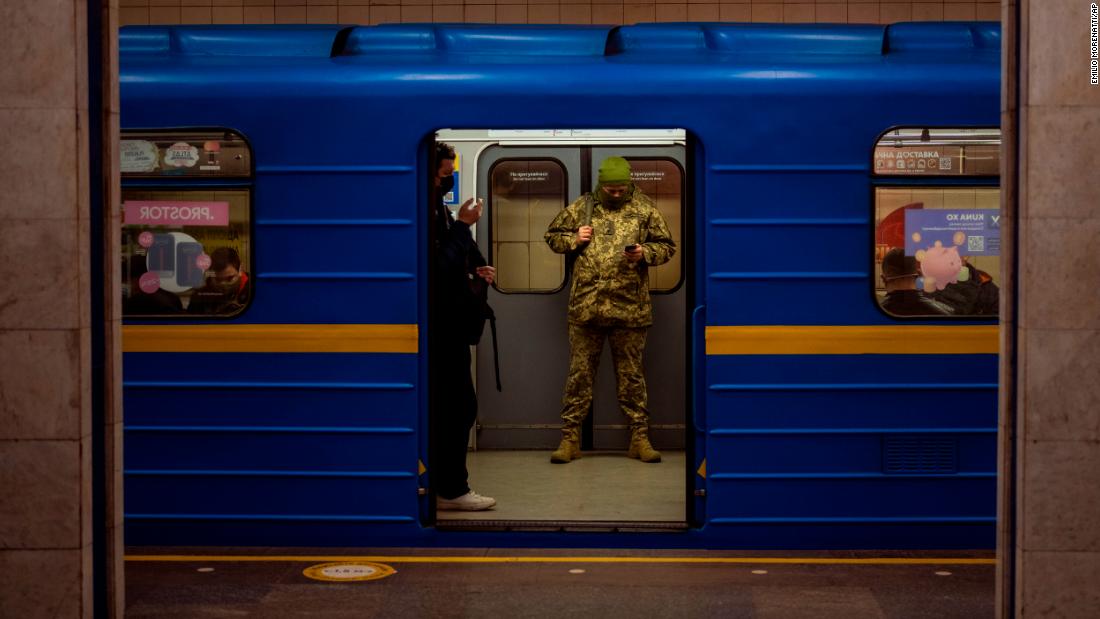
(175, 213)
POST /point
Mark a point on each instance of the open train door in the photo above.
(526, 177)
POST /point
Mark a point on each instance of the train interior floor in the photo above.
(602, 486)
(433, 582)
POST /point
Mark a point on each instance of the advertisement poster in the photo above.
(451, 197)
(174, 213)
(138, 156)
(918, 160)
(181, 155)
(976, 232)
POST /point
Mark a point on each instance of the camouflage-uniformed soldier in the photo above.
(609, 298)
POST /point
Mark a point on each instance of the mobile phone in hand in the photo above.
(631, 247)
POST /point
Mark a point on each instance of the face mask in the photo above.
(446, 185)
(228, 287)
(612, 201)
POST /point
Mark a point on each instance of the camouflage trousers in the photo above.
(585, 348)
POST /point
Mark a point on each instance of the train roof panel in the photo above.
(512, 40)
(943, 37)
(702, 42)
(748, 39)
(253, 40)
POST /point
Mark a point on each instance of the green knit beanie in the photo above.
(614, 171)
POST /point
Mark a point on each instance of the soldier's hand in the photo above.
(469, 212)
(584, 234)
(635, 254)
(487, 273)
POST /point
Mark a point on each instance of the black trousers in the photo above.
(454, 410)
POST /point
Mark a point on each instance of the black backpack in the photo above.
(978, 296)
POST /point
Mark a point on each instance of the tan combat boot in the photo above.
(570, 447)
(640, 447)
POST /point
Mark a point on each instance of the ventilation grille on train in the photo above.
(919, 455)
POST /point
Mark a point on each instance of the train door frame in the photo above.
(691, 368)
(693, 231)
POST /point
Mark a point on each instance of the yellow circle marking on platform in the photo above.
(348, 572)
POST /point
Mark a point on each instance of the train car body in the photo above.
(810, 418)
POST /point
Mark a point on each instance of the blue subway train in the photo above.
(823, 364)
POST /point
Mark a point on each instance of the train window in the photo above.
(662, 180)
(525, 196)
(185, 244)
(937, 244)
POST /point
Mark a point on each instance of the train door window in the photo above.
(662, 180)
(937, 222)
(186, 202)
(524, 197)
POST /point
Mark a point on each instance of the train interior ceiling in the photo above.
(525, 178)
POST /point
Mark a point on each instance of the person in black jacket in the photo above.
(976, 295)
(459, 276)
(227, 291)
(899, 274)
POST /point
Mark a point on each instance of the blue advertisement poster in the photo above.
(451, 197)
(976, 232)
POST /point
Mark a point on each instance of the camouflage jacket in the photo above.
(606, 289)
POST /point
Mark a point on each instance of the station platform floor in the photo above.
(603, 584)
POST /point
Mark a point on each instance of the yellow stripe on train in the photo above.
(746, 340)
(854, 340)
(270, 338)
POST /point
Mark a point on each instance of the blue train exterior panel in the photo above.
(268, 497)
(270, 437)
(881, 440)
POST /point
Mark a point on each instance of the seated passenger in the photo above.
(226, 292)
(140, 303)
(976, 295)
(899, 274)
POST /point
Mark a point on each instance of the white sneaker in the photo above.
(469, 502)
